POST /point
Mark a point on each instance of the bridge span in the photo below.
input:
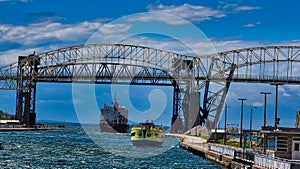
(200, 83)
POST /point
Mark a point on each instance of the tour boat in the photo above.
(147, 134)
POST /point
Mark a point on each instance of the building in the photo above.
(283, 142)
(11, 122)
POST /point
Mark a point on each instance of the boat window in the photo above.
(133, 134)
(140, 133)
(282, 144)
(296, 148)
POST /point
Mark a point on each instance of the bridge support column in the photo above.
(186, 109)
(176, 123)
(25, 108)
(26, 93)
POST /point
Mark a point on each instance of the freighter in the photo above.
(114, 119)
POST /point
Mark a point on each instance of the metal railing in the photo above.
(255, 158)
(224, 150)
(272, 162)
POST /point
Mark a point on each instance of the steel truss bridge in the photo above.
(200, 83)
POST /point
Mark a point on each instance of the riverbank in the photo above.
(232, 157)
(17, 128)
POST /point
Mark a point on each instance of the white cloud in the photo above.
(281, 89)
(24, 1)
(49, 101)
(294, 88)
(149, 17)
(196, 47)
(226, 45)
(11, 56)
(115, 28)
(247, 8)
(190, 12)
(257, 104)
(34, 34)
(186, 11)
(251, 25)
(45, 36)
(252, 93)
(227, 6)
(286, 95)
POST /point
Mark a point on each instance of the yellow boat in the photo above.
(147, 134)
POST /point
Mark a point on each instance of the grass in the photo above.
(203, 137)
(4, 118)
(221, 141)
(235, 144)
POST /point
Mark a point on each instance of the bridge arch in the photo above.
(264, 64)
(270, 64)
(98, 63)
(195, 78)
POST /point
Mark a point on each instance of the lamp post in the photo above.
(241, 127)
(251, 126)
(265, 107)
(265, 120)
(276, 120)
(225, 121)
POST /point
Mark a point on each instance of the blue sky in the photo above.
(43, 25)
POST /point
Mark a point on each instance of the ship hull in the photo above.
(146, 143)
(114, 128)
(114, 119)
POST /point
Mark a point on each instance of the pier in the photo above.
(232, 157)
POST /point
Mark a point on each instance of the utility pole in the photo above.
(265, 121)
(241, 127)
(265, 107)
(276, 119)
(251, 126)
(225, 121)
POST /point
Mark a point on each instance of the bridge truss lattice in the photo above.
(200, 83)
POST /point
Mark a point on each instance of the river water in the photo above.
(73, 148)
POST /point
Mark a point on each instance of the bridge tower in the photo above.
(26, 89)
(186, 99)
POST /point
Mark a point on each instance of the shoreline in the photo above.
(31, 128)
(231, 157)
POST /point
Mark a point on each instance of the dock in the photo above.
(232, 157)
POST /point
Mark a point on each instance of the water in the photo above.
(73, 148)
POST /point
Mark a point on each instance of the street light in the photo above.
(225, 121)
(265, 107)
(241, 127)
(276, 120)
(251, 125)
(265, 121)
